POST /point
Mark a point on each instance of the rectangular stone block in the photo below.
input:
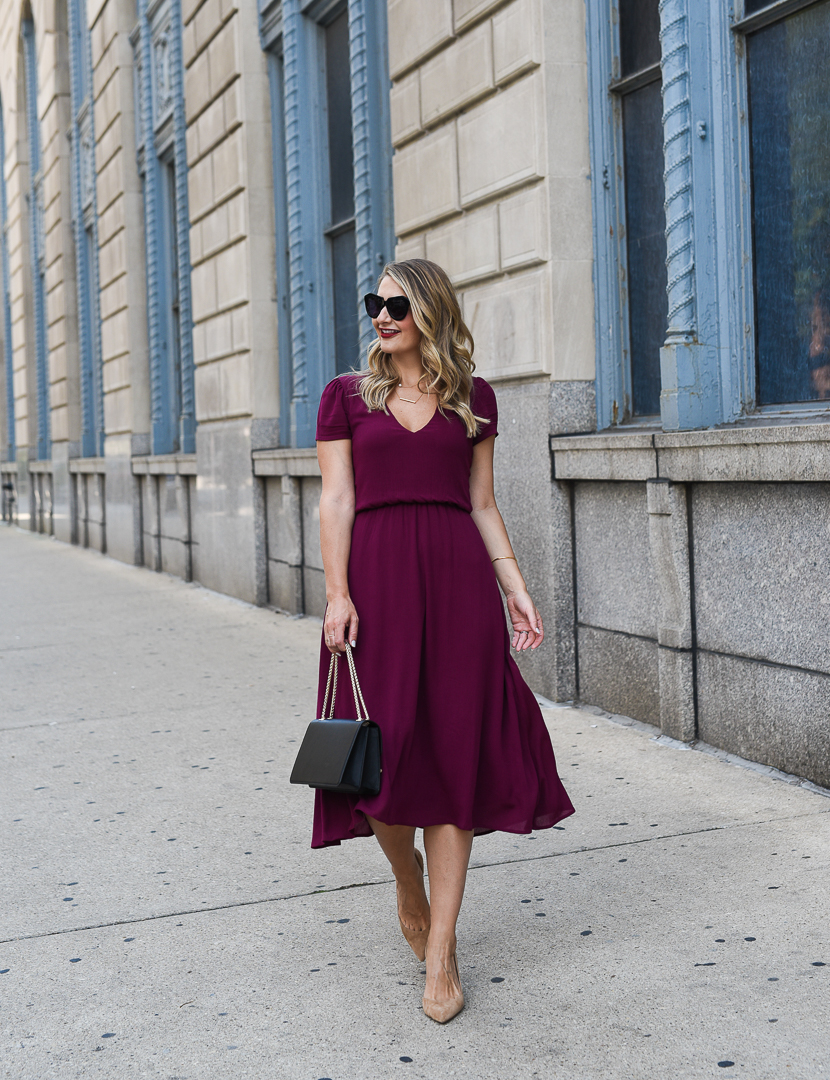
(123, 538)
(566, 91)
(203, 278)
(773, 452)
(571, 237)
(414, 247)
(174, 557)
(312, 487)
(416, 29)
(232, 279)
(573, 407)
(285, 587)
(677, 694)
(668, 526)
(283, 509)
(467, 248)
(150, 522)
(616, 588)
(572, 288)
(523, 228)
(425, 176)
(517, 39)
(405, 108)
(206, 22)
(762, 571)
(510, 322)
(565, 41)
(223, 388)
(222, 509)
(774, 715)
(223, 58)
(314, 592)
(466, 12)
(619, 673)
(457, 76)
(197, 92)
(200, 188)
(501, 142)
(228, 166)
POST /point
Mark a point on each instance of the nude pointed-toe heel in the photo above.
(443, 1011)
(417, 938)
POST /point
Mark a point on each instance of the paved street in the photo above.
(164, 916)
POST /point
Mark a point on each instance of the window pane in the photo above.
(346, 342)
(751, 6)
(339, 102)
(789, 95)
(639, 35)
(646, 239)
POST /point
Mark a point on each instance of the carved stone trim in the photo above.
(677, 152)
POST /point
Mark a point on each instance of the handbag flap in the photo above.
(325, 752)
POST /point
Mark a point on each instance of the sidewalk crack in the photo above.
(389, 881)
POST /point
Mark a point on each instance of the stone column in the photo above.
(669, 543)
(688, 369)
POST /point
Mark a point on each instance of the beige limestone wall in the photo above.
(54, 109)
(490, 126)
(120, 207)
(231, 212)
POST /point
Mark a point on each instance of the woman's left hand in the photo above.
(528, 632)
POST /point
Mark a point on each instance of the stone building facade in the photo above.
(633, 199)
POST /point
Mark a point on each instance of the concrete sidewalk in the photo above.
(163, 915)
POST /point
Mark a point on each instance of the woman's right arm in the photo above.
(336, 520)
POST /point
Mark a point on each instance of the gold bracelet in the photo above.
(513, 557)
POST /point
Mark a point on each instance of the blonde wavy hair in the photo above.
(446, 343)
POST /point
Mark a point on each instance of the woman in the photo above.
(414, 549)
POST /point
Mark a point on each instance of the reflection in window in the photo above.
(642, 115)
(789, 96)
(341, 232)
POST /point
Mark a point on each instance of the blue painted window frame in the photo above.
(5, 284)
(291, 33)
(160, 133)
(739, 26)
(85, 229)
(37, 243)
(707, 371)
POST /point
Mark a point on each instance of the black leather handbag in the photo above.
(340, 755)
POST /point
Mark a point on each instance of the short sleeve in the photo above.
(484, 405)
(332, 416)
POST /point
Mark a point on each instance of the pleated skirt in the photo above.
(463, 738)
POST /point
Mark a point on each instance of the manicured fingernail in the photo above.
(353, 643)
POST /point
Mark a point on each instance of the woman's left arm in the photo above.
(528, 632)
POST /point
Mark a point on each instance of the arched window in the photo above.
(37, 240)
(85, 224)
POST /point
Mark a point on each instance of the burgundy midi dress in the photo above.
(463, 739)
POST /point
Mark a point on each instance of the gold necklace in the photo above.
(412, 401)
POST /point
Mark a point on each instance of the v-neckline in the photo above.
(410, 431)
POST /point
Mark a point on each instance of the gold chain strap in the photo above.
(332, 672)
(331, 684)
(358, 693)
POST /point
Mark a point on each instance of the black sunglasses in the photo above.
(397, 306)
